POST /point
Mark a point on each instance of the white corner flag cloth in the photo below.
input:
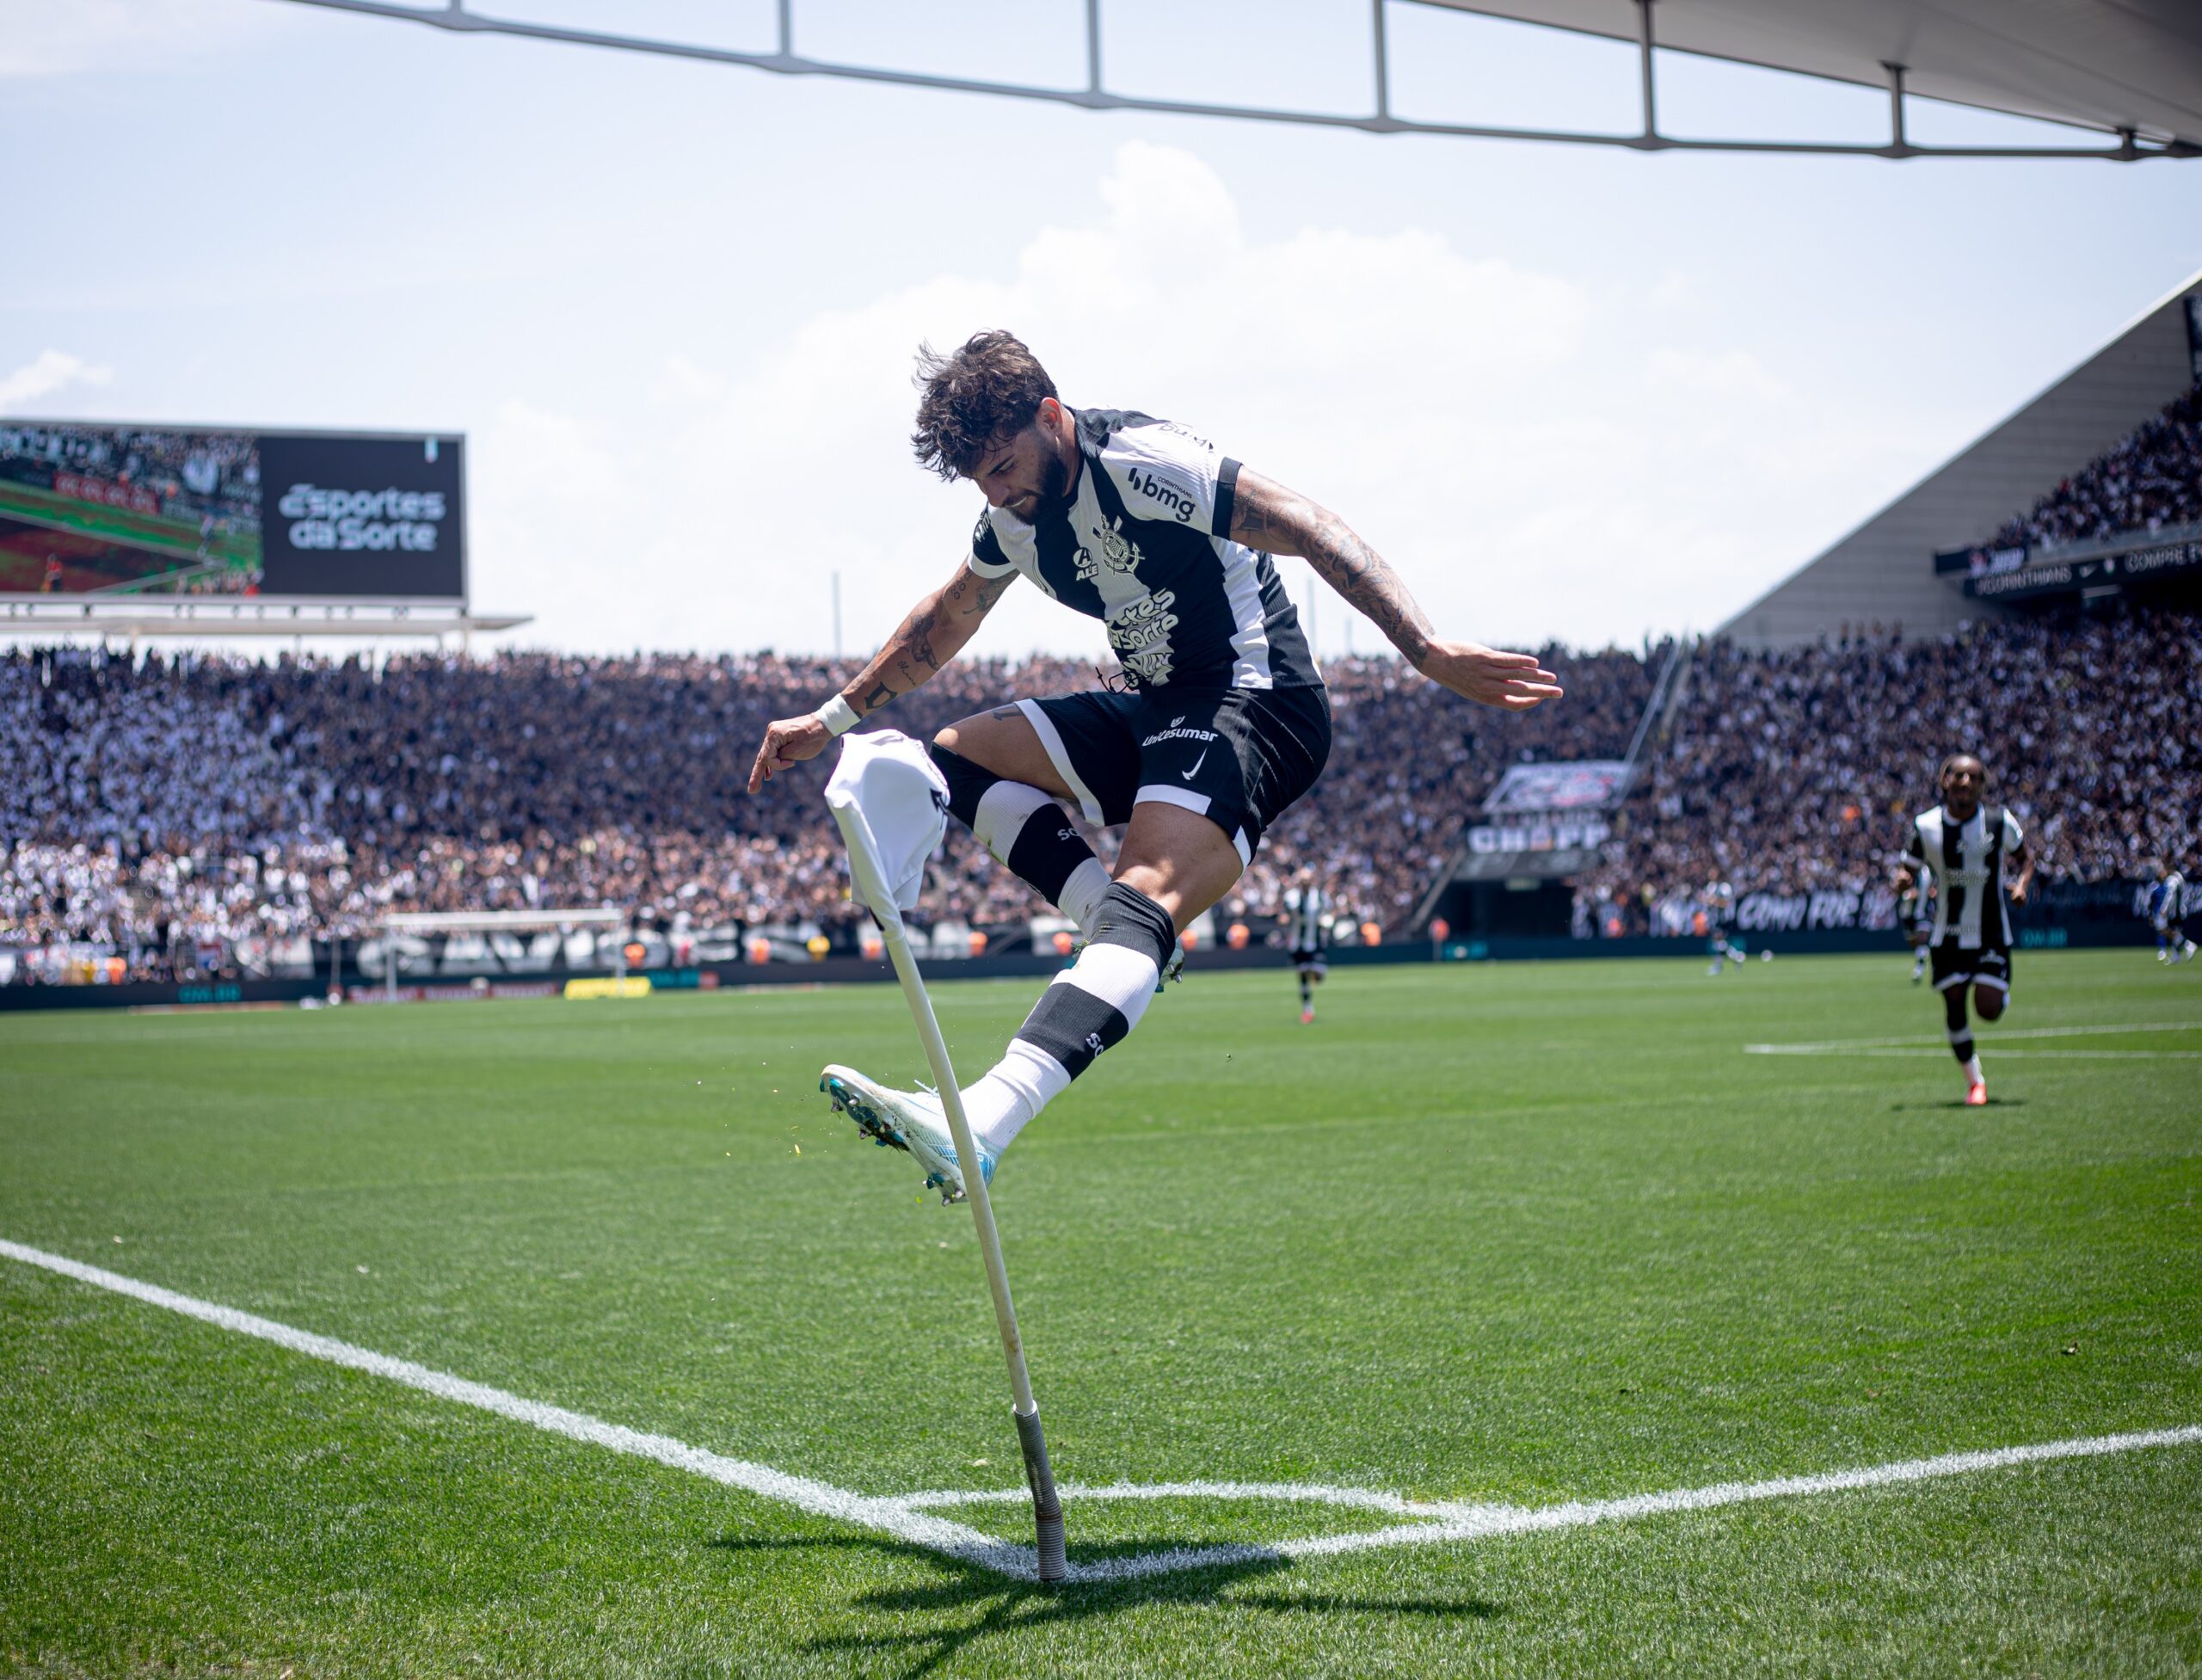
(890, 785)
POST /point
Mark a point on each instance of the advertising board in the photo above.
(116, 510)
(1582, 784)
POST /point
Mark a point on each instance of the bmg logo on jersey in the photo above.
(1163, 494)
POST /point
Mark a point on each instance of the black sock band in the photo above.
(966, 782)
(1129, 917)
(1046, 852)
(1960, 1029)
(1093, 1004)
(1073, 1025)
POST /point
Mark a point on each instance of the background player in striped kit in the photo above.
(1307, 929)
(1222, 723)
(1965, 845)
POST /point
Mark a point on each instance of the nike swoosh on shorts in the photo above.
(1189, 775)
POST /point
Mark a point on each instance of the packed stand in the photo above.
(1799, 771)
(174, 807)
(2149, 480)
(1410, 764)
(202, 805)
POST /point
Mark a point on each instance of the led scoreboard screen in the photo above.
(117, 511)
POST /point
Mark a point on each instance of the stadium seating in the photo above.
(1796, 771)
(191, 802)
(2150, 479)
(198, 800)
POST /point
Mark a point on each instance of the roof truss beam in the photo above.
(459, 16)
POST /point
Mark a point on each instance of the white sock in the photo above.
(1082, 894)
(1001, 1104)
(1973, 1071)
(1048, 1051)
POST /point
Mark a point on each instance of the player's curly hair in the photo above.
(986, 390)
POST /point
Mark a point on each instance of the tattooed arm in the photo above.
(933, 633)
(1267, 516)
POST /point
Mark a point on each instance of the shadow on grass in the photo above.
(1003, 1606)
(1954, 1103)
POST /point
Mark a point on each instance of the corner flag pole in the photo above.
(1047, 1508)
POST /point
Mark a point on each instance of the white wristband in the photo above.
(837, 716)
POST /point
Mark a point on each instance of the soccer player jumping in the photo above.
(1965, 845)
(1223, 720)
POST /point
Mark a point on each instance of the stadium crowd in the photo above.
(196, 803)
(1797, 771)
(2148, 480)
(184, 812)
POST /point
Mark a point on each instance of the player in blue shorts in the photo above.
(2167, 912)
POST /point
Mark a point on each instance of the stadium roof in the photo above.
(2112, 65)
(2128, 70)
(1883, 572)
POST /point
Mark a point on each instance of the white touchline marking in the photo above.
(1995, 1035)
(820, 1498)
(1485, 1521)
(1301, 1493)
(2001, 1054)
(904, 1519)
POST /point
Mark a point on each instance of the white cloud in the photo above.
(1726, 373)
(40, 38)
(51, 371)
(1506, 437)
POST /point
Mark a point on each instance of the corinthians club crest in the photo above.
(1119, 553)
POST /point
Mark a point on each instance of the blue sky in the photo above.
(1570, 392)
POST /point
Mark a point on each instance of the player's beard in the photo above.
(1054, 490)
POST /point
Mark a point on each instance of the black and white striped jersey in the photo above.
(1145, 546)
(1966, 861)
(1308, 917)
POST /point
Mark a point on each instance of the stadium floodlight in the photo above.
(870, 877)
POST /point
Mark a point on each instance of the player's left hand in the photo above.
(2019, 891)
(1510, 682)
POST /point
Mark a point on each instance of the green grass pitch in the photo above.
(1519, 1234)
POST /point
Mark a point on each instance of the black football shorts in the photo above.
(1238, 756)
(1990, 966)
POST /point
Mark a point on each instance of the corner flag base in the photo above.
(1047, 1509)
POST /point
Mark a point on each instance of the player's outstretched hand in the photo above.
(790, 740)
(2018, 890)
(1510, 682)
